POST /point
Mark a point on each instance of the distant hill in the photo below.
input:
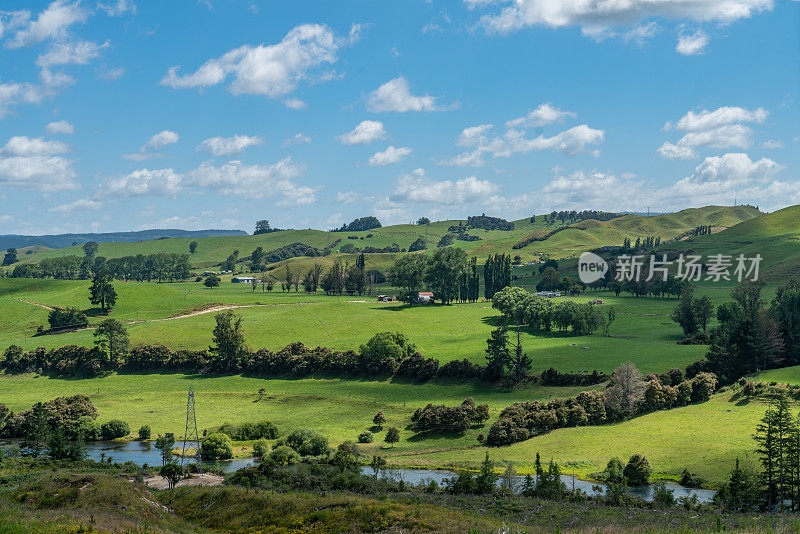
(569, 243)
(67, 240)
(775, 236)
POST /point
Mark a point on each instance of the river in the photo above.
(142, 453)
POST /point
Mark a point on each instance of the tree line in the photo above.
(447, 273)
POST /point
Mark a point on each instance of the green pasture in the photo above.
(705, 438)
(642, 331)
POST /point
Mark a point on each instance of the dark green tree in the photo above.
(444, 269)
(392, 435)
(498, 356)
(211, 281)
(192, 247)
(228, 346)
(111, 337)
(408, 273)
(102, 292)
(11, 257)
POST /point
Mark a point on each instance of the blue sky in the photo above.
(133, 114)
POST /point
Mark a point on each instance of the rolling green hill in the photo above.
(775, 236)
(570, 242)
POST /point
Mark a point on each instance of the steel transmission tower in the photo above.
(190, 434)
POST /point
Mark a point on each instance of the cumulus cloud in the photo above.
(417, 187)
(389, 156)
(234, 177)
(21, 145)
(161, 139)
(296, 139)
(692, 44)
(720, 177)
(273, 70)
(542, 116)
(721, 128)
(66, 53)
(34, 163)
(473, 135)
(229, 146)
(13, 94)
(347, 197)
(594, 17)
(395, 95)
(52, 23)
(145, 182)
(60, 127)
(365, 133)
(82, 204)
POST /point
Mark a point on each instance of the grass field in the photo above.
(642, 332)
(705, 438)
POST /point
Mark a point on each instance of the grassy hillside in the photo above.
(581, 236)
(642, 331)
(775, 236)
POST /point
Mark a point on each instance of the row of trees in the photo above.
(750, 335)
(447, 273)
(496, 274)
(519, 306)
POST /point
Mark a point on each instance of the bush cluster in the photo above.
(441, 418)
(523, 420)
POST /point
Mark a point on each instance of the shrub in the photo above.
(144, 432)
(66, 317)
(663, 497)
(216, 446)
(284, 455)
(379, 419)
(261, 448)
(387, 344)
(638, 470)
(114, 429)
(366, 437)
(250, 431)
(307, 442)
(615, 471)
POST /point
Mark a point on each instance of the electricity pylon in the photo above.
(190, 434)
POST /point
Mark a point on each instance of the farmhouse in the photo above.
(424, 296)
(243, 280)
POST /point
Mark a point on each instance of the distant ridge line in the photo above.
(67, 240)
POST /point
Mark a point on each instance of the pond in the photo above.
(142, 453)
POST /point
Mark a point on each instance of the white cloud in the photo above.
(569, 142)
(160, 140)
(473, 135)
(119, 8)
(365, 133)
(229, 146)
(720, 178)
(395, 95)
(672, 151)
(82, 204)
(271, 70)
(346, 197)
(51, 23)
(111, 75)
(417, 187)
(48, 174)
(721, 128)
(295, 103)
(705, 120)
(772, 144)
(542, 116)
(60, 127)
(144, 182)
(692, 44)
(70, 53)
(296, 139)
(594, 16)
(12, 94)
(470, 158)
(233, 177)
(21, 145)
(389, 156)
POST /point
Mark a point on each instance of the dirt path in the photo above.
(201, 312)
(36, 304)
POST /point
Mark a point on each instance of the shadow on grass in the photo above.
(435, 434)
